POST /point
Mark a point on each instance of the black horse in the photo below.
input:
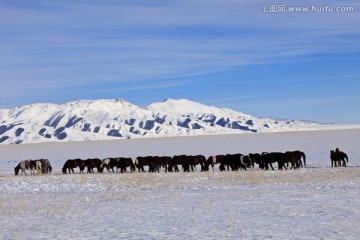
(92, 163)
(235, 162)
(212, 160)
(337, 157)
(73, 163)
(270, 158)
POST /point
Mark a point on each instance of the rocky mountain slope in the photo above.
(116, 118)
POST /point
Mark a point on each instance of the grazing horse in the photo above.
(212, 160)
(73, 163)
(124, 163)
(196, 160)
(46, 166)
(92, 163)
(35, 165)
(337, 157)
(109, 164)
(187, 162)
(234, 161)
(23, 165)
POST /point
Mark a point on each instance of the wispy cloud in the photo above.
(49, 46)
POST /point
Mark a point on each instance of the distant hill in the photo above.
(103, 119)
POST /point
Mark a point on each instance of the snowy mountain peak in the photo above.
(182, 107)
(116, 118)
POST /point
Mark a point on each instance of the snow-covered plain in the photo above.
(316, 202)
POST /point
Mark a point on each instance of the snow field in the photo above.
(309, 203)
(306, 203)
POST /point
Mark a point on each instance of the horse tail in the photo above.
(303, 155)
(346, 157)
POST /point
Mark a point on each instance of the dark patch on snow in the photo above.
(158, 128)
(222, 122)
(86, 127)
(249, 122)
(72, 121)
(42, 131)
(54, 122)
(184, 124)
(266, 125)
(3, 139)
(236, 125)
(59, 134)
(96, 129)
(147, 125)
(47, 135)
(210, 120)
(18, 142)
(130, 122)
(132, 130)
(160, 120)
(196, 126)
(19, 131)
(59, 130)
(5, 128)
(114, 133)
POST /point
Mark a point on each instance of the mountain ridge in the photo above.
(105, 119)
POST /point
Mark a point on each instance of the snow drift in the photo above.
(116, 118)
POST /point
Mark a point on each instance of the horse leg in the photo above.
(271, 166)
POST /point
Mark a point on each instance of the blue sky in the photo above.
(225, 53)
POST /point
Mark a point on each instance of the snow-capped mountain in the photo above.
(115, 119)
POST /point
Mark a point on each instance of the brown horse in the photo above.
(294, 158)
(337, 157)
(73, 163)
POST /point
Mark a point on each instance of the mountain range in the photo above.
(106, 119)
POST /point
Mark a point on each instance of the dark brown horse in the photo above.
(186, 162)
(270, 158)
(294, 158)
(92, 163)
(73, 163)
(337, 157)
(255, 158)
(234, 161)
(212, 160)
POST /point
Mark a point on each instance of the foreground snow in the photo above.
(310, 203)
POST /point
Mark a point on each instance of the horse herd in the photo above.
(234, 162)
